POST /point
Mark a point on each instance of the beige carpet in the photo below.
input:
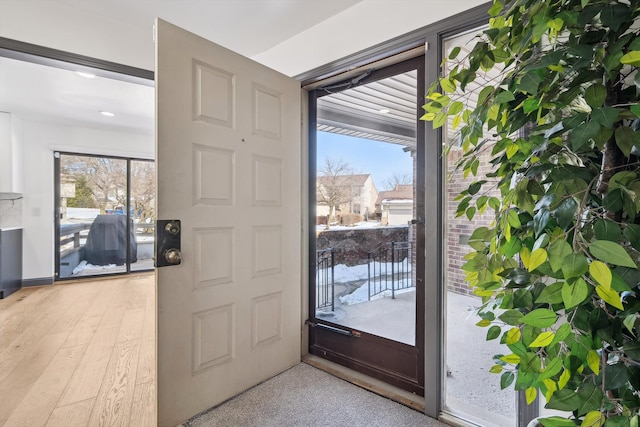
(305, 396)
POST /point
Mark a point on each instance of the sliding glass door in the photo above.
(105, 215)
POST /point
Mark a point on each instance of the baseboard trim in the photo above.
(374, 385)
(39, 281)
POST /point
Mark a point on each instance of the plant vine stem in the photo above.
(583, 204)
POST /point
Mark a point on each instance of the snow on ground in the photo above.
(362, 294)
(342, 273)
(86, 267)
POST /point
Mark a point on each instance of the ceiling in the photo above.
(60, 96)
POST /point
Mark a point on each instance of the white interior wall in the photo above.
(40, 142)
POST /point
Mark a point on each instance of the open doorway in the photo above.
(368, 205)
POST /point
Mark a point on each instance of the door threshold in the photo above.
(371, 384)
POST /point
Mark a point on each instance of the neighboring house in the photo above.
(395, 207)
(348, 194)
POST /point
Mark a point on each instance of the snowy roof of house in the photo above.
(401, 192)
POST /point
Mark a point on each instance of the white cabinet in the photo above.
(10, 154)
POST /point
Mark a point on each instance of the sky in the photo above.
(380, 159)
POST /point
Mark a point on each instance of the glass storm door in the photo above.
(366, 273)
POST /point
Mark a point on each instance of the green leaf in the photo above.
(632, 233)
(611, 253)
(512, 217)
(557, 253)
(542, 340)
(495, 369)
(530, 105)
(635, 109)
(605, 116)
(583, 133)
(493, 332)
(630, 321)
(610, 296)
(513, 335)
(454, 52)
(511, 317)
(439, 120)
(564, 379)
(529, 82)
(538, 257)
(503, 97)
(574, 265)
(562, 333)
(590, 397)
(593, 360)
(564, 400)
(506, 379)
(607, 230)
(565, 213)
(540, 318)
(551, 294)
(593, 419)
(540, 221)
(632, 350)
(512, 359)
(624, 139)
(553, 367)
(574, 293)
(531, 393)
(447, 85)
(556, 422)
(615, 376)
(496, 8)
(455, 108)
(595, 95)
(601, 273)
(631, 58)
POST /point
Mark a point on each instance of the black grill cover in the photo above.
(107, 241)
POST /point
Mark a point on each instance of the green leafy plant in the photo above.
(556, 109)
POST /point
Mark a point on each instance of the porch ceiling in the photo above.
(384, 110)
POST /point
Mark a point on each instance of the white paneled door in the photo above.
(229, 167)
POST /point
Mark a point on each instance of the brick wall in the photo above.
(457, 230)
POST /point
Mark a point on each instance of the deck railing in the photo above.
(77, 234)
(325, 283)
(390, 268)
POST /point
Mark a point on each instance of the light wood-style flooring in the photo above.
(79, 354)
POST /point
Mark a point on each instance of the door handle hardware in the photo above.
(419, 221)
(353, 333)
(173, 227)
(168, 248)
(173, 256)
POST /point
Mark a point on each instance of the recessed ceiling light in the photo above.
(107, 113)
(384, 111)
(86, 75)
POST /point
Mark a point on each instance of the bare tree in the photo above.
(333, 186)
(143, 189)
(400, 178)
(106, 178)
